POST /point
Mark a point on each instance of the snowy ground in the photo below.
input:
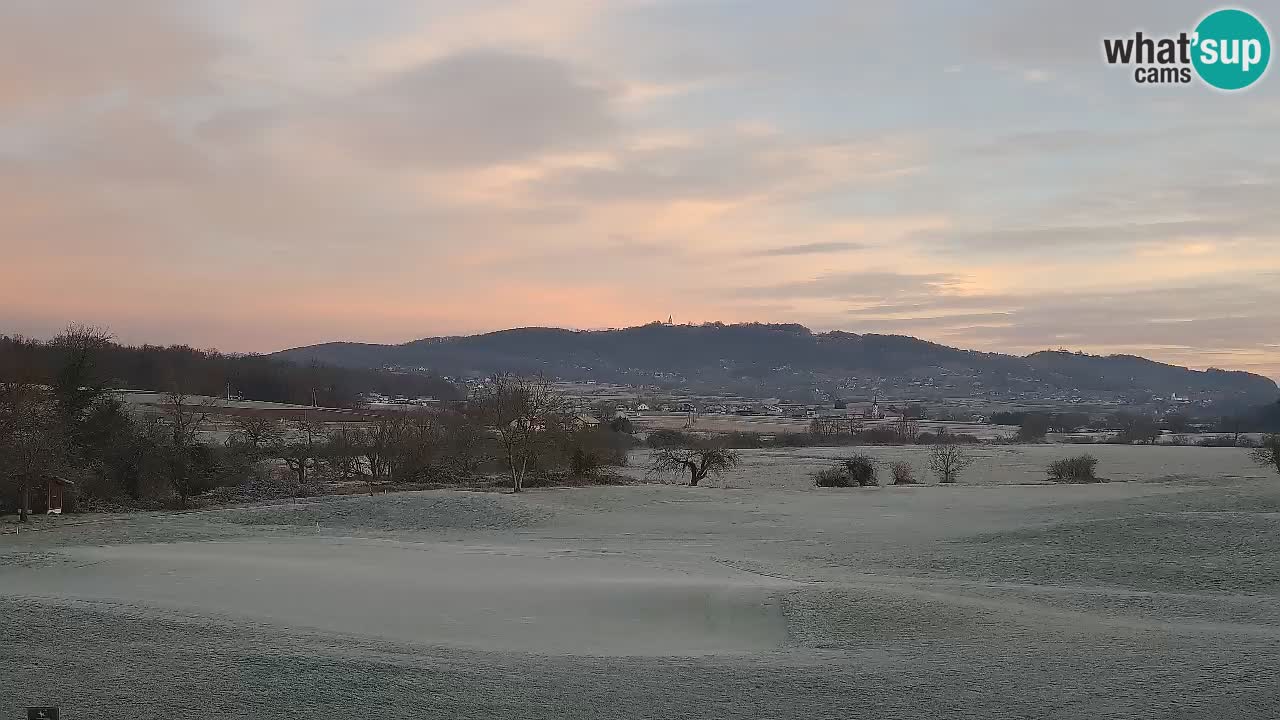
(1155, 596)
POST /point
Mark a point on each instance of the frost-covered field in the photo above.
(1156, 595)
(992, 464)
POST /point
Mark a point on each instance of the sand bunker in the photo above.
(490, 598)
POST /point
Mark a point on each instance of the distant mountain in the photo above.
(791, 360)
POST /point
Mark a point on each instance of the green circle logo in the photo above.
(1232, 49)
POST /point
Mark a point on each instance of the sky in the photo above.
(253, 175)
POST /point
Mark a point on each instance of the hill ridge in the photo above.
(777, 359)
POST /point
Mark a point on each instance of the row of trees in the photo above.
(903, 431)
(402, 447)
(1137, 428)
(1131, 428)
(209, 372)
(66, 423)
(1127, 428)
(143, 459)
(515, 424)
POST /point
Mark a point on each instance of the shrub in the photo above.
(1033, 428)
(582, 463)
(1136, 429)
(795, 439)
(861, 470)
(559, 478)
(743, 440)
(857, 471)
(606, 446)
(832, 477)
(1078, 469)
(903, 473)
(943, 437)
(668, 439)
(879, 436)
(1267, 453)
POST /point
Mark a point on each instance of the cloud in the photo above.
(813, 248)
(472, 108)
(1187, 203)
(858, 286)
(280, 173)
(1176, 323)
(736, 166)
(1067, 238)
(54, 51)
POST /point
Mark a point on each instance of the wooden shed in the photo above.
(47, 496)
(55, 491)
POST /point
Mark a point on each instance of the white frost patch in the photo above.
(523, 599)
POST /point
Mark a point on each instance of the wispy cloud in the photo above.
(813, 248)
(858, 286)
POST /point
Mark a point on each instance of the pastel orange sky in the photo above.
(259, 175)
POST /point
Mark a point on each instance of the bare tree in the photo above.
(308, 429)
(298, 457)
(907, 429)
(258, 431)
(1136, 428)
(416, 447)
(948, 461)
(299, 452)
(699, 462)
(183, 419)
(463, 436)
(78, 384)
(375, 443)
(30, 443)
(341, 454)
(524, 412)
(1267, 454)
(605, 410)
